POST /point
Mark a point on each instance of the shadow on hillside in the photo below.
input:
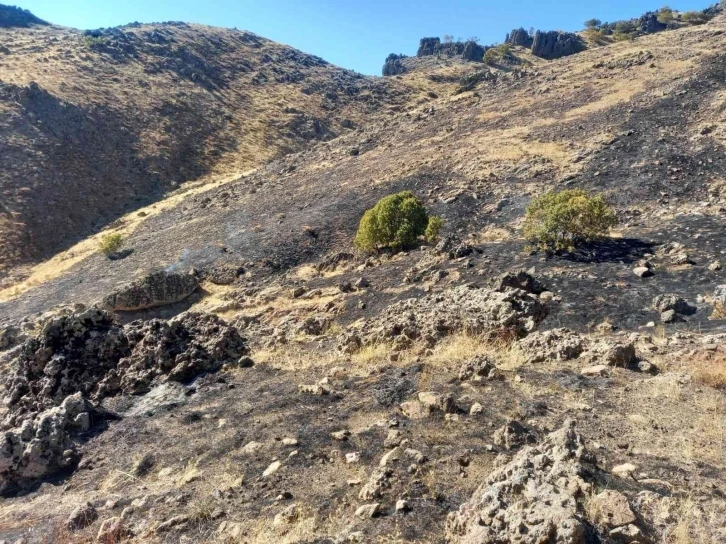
(626, 250)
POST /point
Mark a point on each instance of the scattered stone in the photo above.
(642, 271)
(611, 352)
(625, 470)
(715, 266)
(403, 506)
(664, 303)
(353, 457)
(612, 509)
(341, 435)
(113, 530)
(670, 316)
(476, 409)
(377, 482)
(437, 402)
(479, 369)
(289, 442)
(81, 517)
(393, 439)
(368, 511)
(513, 435)
(287, 516)
(270, 470)
(391, 456)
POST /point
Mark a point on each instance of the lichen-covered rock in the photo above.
(535, 497)
(432, 318)
(552, 345)
(156, 289)
(452, 246)
(42, 446)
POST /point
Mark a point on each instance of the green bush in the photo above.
(562, 220)
(433, 229)
(494, 54)
(593, 23)
(396, 221)
(111, 243)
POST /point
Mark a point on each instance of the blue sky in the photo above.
(356, 35)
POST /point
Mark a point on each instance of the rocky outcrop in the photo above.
(79, 359)
(473, 51)
(156, 289)
(649, 23)
(11, 16)
(88, 353)
(428, 47)
(40, 447)
(555, 44)
(394, 65)
(520, 37)
(535, 497)
(464, 308)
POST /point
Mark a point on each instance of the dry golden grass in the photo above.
(709, 369)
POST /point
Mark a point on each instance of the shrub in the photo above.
(562, 220)
(665, 15)
(395, 221)
(695, 17)
(111, 243)
(593, 23)
(95, 42)
(433, 229)
(492, 55)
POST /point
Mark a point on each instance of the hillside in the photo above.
(240, 373)
(97, 124)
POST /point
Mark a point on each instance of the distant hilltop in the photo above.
(553, 44)
(13, 16)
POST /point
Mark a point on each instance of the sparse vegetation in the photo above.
(497, 53)
(111, 243)
(593, 23)
(433, 229)
(94, 41)
(396, 221)
(562, 220)
(665, 15)
(695, 17)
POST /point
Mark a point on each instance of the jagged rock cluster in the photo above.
(462, 308)
(393, 65)
(555, 44)
(12, 16)
(539, 495)
(519, 37)
(81, 358)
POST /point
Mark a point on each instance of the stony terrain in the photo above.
(239, 373)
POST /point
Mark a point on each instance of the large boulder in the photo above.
(536, 497)
(42, 446)
(428, 47)
(394, 65)
(553, 345)
(555, 44)
(156, 289)
(649, 23)
(520, 37)
(473, 52)
(433, 317)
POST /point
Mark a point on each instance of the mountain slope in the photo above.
(94, 125)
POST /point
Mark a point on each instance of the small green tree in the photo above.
(395, 221)
(111, 243)
(695, 17)
(433, 229)
(593, 23)
(561, 220)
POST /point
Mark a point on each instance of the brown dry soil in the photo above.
(641, 121)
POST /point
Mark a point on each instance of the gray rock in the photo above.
(480, 368)
(473, 52)
(156, 289)
(513, 435)
(666, 302)
(81, 517)
(520, 37)
(552, 345)
(535, 497)
(670, 316)
(649, 23)
(555, 44)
